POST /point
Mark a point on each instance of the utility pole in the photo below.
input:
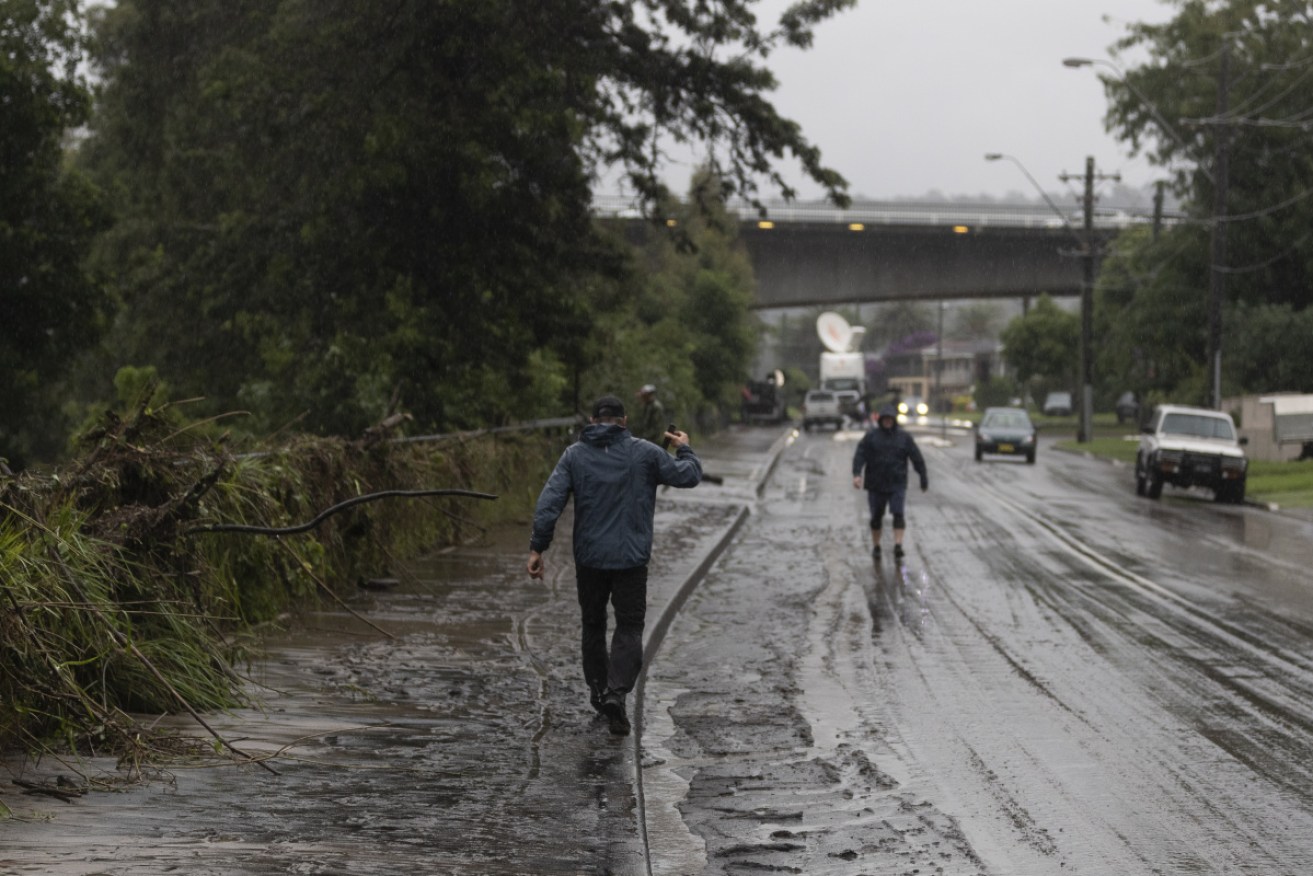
(1158, 208)
(1086, 428)
(939, 372)
(1217, 244)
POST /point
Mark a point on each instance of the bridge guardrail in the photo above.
(1002, 215)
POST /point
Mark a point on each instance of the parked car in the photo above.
(1007, 431)
(847, 392)
(1191, 447)
(1127, 407)
(1057, 404)
(821, 406)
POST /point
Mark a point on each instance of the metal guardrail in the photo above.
(527, 426)
(1007, 215)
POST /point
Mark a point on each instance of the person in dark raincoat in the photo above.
(651, 421)
(613, 477)
(880, 465)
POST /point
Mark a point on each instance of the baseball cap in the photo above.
(608, 406)
(646, 388)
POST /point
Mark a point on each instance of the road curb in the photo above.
(652, 642)
(773, 457)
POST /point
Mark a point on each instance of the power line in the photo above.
(1258, 266)
(1260, 214)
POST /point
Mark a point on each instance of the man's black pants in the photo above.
(626, 590)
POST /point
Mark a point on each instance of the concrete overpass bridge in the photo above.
(807, 255)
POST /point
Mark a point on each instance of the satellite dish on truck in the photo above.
(834, 331)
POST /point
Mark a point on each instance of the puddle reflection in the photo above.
(900, 597)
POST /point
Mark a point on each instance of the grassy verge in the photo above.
(116, 602)
(1287, 484)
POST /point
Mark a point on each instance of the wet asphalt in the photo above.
(1060, 677)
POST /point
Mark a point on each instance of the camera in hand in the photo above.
(666, 441)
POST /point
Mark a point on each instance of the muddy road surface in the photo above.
(1058, 678)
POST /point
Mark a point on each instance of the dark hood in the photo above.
(887, 410)
(603, 434)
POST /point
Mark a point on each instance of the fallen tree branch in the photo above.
(328, 512)
(196, 716)
(329, 590)
(128, 645)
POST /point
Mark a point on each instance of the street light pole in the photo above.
(999, 156)
(1218, 176)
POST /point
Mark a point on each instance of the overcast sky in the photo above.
(904, 97)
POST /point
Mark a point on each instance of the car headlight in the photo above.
(902, 407)
(922, 409)
(1170, 460)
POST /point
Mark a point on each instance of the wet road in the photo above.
(1059, 678)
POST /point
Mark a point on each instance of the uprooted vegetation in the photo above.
(125, 593)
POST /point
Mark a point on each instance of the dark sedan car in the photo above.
(1005, 431)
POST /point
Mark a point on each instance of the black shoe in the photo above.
(898, 552)
(613, 706)
(875, 552)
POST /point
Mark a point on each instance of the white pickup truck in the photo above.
(821, 406)
(1191, 447)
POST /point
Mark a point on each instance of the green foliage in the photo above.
(1268, 347)
(114, 602)
(1150, 317)
(1288, 484)
(680, 318)
(1042, 345)
(1106, 447)
(326, 207)
(48, 217)
(1153, 308)
(996, 392)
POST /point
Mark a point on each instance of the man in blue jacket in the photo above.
(880, 464)
(614, 478)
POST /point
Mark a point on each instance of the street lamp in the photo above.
(1169, 129)
(999, 156)
(1217, 241)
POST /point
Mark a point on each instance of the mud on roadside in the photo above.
(775, 778)
(463, 744)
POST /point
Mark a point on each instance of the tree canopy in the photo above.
(1041, 345)
(326, 206)
(48, 216)
(1223, 96)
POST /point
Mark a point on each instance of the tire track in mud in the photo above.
(1222, 655)
(771, 707)
(1136, 734)
(1079, 788)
